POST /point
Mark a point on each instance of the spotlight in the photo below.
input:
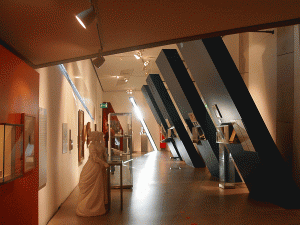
(146, 63)
(129, 92)
(99, 61)
(86, 17)
(126, 80)
(138, 55)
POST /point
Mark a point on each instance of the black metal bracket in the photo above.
(175, 158)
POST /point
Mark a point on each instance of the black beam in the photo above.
(257, 157)
(188, 101)
(160, 119)
(184, 144)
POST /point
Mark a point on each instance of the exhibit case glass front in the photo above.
(29, 144)
(11, 152)
(120, 147)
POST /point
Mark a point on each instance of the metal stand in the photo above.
(115, 163)
(227, 170)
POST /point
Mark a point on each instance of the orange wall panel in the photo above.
(19, 93)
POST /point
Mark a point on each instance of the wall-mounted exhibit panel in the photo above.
(186, 149)
(160, 119)
(188, 101)
(229, 102)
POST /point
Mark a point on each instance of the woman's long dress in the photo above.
(93, 183)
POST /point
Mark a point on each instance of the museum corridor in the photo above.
(170, 192)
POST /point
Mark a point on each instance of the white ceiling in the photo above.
(125, 65)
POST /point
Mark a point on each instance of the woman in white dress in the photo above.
(93, 180)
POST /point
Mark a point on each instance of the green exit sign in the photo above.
(103, 105)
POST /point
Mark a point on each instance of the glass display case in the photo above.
(11, 152)
(120, 147)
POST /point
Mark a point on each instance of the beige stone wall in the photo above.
(56, 95)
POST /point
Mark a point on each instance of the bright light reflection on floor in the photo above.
(143, 181)
(148, 153)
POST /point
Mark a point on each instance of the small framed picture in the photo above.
(64, 138)
(80, 135)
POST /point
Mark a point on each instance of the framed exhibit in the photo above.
(29, 144)
(80, 135)
(64, 138)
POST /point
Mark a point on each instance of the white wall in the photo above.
(232, 44)
(56, 95)
(121, 104)
(263, 76)
(263, 85)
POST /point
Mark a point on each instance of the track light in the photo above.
(146, 63)
(145, 66)
(86, 17)
(138, 55)
(129, 92)
(99, 61)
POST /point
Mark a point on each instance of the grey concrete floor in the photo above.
(170, 192)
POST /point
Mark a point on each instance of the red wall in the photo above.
(19, 93)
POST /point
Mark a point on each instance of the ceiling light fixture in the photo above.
(146, 63)
(129, 92)
(126, 80)
(86, 17)
(98, 61)
(138, 55)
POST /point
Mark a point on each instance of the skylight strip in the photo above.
(65, 73)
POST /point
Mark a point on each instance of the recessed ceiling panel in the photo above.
(128, 23)
(125, 65)
(47, 33)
